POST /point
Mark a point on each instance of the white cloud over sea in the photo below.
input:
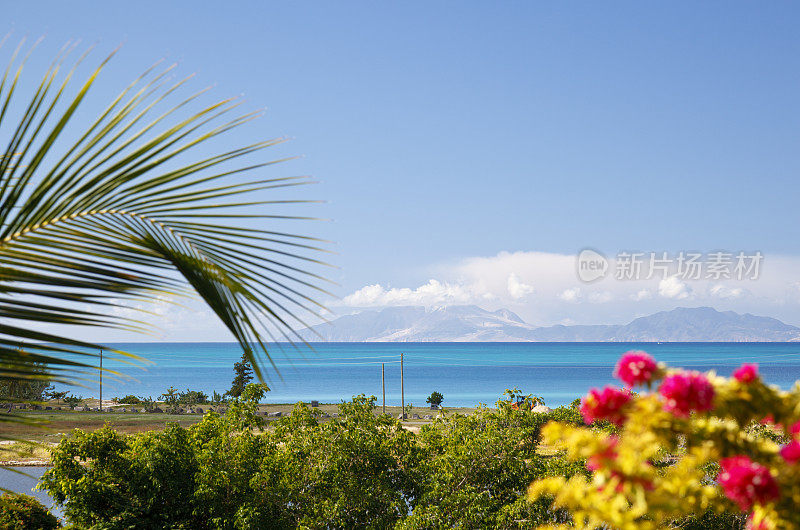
(544, 288)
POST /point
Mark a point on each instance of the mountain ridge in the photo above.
(470, 323)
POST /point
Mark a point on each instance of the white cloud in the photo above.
(601, 297)
(517, 289)
(674, 288)
(432, 293)
(570, 295)
(160, 306)
(642, 294)
(724, 292)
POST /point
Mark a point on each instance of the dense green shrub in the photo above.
(476, 469)
(193, 397)
(129, 400)
(73, 401)
(23, 512)
(357, 470)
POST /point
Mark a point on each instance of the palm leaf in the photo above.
(127, 212)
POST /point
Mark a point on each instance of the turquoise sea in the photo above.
(466, 373)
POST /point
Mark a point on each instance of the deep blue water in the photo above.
(466, 373)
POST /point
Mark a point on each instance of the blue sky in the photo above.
(448, 132)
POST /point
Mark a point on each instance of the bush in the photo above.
(358, 470)
(23, 512)
(73, 401)
(130, 400)
(193, 397)
(476, 468)
(435, 399)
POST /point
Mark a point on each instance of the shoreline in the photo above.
(25, 463)
(30, 447)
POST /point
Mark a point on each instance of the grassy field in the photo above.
(56, 424)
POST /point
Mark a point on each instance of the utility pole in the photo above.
(101, 380)
(402, 386)
(383, 385)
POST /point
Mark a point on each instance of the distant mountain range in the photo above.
(472, 324)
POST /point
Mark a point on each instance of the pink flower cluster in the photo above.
(602, 458)
(745, 482)
(794, 430)
(685, 392)
(791, 451)
(606, 404)
(635, 368)
(746, 373)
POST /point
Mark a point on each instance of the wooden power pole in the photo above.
(101, 380)
(402, 386)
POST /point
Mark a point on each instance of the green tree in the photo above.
(148, 403)
(217, 399)
(23, 379)
(355, 471)
(136, 204)
(170, 398)
(435, 399)
(58, 396)
(192, 397)
(73, 401)
(243, 374)
(476, 469)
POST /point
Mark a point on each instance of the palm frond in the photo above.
(120, 215)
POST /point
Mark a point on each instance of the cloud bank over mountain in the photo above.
(472, 324)
(544, 288)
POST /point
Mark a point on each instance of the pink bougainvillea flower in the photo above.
(603, 457)
(622, 479)
(685, 392)
(794, 430)
(635, 368)
(746, 373)
(606, 404)
(791, 452)
(746, 482)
